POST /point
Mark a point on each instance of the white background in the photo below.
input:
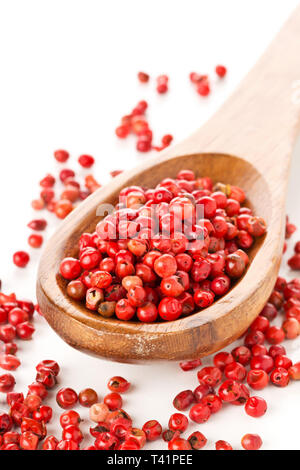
(68, 73)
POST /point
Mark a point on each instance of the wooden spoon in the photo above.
(247, 143)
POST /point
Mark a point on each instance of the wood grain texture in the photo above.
(247, 143)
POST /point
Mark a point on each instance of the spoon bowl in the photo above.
(196, 335)
(248, 143)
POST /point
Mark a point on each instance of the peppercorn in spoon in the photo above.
(248, 143)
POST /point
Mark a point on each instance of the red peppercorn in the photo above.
(168, 435)
(66, 398)
(199, 413)
(294, 371)
(263, 362)
(256, 407)
(113, 401)
(259, 350)
(33, 402)
(230, 391)
(280, 377)
(9, 362)
(37, 224)
(69, 417)
(162, 84)
(223, 445)
(201, 391)
(21, 259)
(50, 443)
(276, 350)
(254, 337)
(122, 131)
(35, 241)
(276, 298)
(7, 333)
(235, 371)
(88, 397)
(221, 70)
(38, 389)
(147, 313)
(169, 309)
(17, 315)
(269, 311)
(294, 262)
(251, 442)
(241, 354)
(183, 400)
(67, 445)
(210, 376)
(118, 384)
(46, 377)
(178, 422)
(11, 437)
(195, 77)
(9, 348)
(143, 77)
(143, 144)
(62, 208)
(13, 397)
(86, 161)
(47, 195)
(28, 441)
(166, 140)
(5, 423)
(257, 379)
(203, 298)
(261, 323)
(124, 310)
(61, 156)
(7, 383)
(197, 440)
(213, 402)
(245, 394)
(235, 265)
(256, 226)
(152, 429)
(70, 268)
(137, 436)
(72, 433)
(38, 204)
(49, 364)
(48, 181)
(89, 259)
(178, 443)
(25, 330)
(43, 414)
(190, 365)
(291, 328)
(203, 88)
(282, 361)
(275, 335)
(120, 427)
(106, 441)
(10, 447)
(37, 428)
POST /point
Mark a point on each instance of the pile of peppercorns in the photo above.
(251, 366)
(220, 385)
(60, 205)
(156, 257)
(136, 123)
